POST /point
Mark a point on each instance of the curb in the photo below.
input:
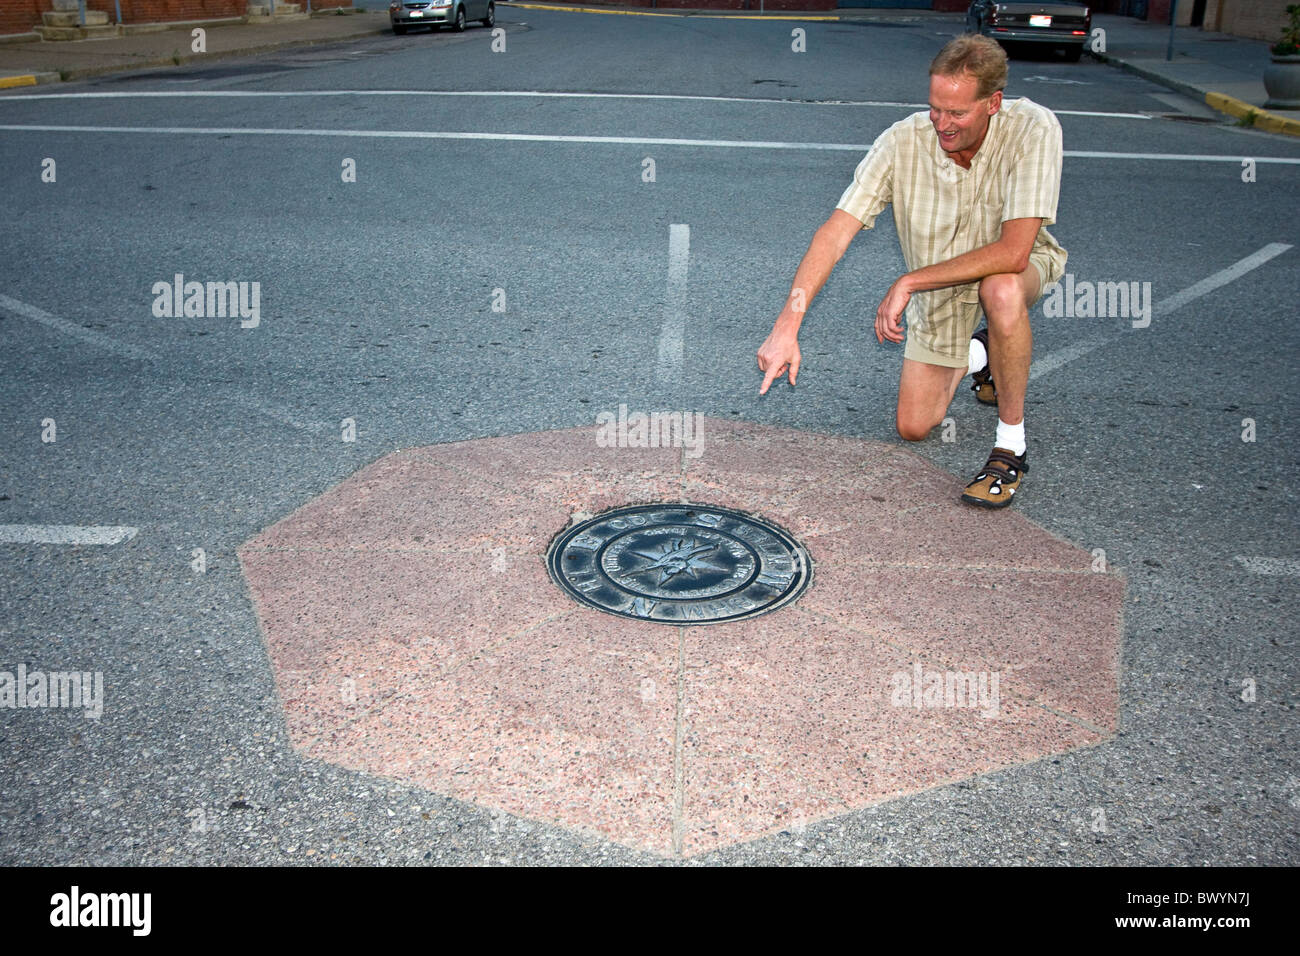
(1257, 117)
(27, 79)
(1222, 102)
(83, 73)
(1176, 85)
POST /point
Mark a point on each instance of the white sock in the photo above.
(1011, 437)
(979, 356)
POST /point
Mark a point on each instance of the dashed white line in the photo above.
(1221, 278)
(1054, 360)
(88, 336)
(65, 534)
(108, 344)
(1261, 565)
(671, 336)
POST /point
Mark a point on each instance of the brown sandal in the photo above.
(996, 484)
(983, 387)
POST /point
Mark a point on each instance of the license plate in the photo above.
(1038, 21)
(420, 13)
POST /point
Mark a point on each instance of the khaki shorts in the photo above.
(948, 346)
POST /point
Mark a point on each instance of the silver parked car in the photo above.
(1063, 24)
(405, 14)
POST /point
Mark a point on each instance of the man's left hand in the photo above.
(889, 324)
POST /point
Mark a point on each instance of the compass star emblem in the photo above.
(678, 556)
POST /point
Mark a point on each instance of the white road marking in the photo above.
(89, 336)
(65, 534)
(1054, 360)
(1182, 157)
(1220, 278)
(529, 94)
(671, 344)
(555, 138)
(1142, 116)
(437, 134)
(1259, 565)
(1063, 81)
(159, 94)
(101, 341)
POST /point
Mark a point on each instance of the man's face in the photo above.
(960, 119)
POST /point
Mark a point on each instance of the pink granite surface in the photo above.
(415, 634)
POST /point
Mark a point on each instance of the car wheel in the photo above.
(491, 18)
(460, 19)
(1073, 52)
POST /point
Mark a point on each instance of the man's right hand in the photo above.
(779, 352)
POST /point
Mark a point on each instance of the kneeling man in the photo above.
(973, 184)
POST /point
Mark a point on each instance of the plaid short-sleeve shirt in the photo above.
(942, 210)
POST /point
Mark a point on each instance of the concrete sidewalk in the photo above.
(1223, 71)
(37, 61)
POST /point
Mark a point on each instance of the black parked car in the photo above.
(1062, 23)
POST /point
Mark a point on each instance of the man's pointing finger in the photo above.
(772, 374)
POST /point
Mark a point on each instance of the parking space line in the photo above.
(671, 342)
(65, 534)
(1054, 360)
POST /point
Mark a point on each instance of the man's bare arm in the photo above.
(1009, 254)
(781, 349)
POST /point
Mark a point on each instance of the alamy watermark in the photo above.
(75, 908)
(67, 689)
(973, 689)
(1082, 299)
(208, 300)
(651, 430)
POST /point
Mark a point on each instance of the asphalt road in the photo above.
(376, 305)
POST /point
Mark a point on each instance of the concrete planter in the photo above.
(1282, 81)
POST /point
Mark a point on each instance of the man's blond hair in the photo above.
(978, 56)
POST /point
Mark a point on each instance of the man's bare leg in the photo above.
(1006, 299)
(924, 393)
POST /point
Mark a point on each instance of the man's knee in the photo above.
(1003, 299)
(913, 428)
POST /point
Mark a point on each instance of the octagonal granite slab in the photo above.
(415, 634)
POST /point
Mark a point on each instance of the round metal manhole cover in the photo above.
(679, 564)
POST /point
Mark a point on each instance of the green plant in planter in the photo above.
(1289, 45)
